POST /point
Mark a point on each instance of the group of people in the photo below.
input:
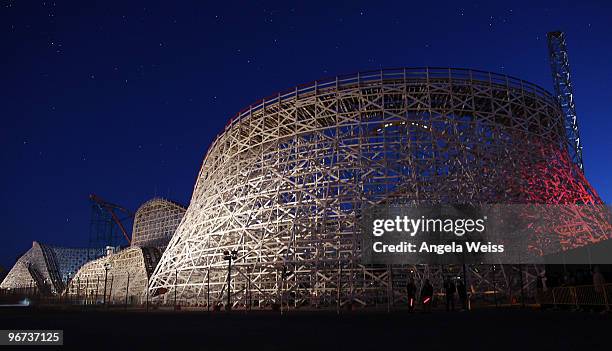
(450, 289)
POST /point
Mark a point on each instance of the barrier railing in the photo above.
(579, 297)
(586, 295)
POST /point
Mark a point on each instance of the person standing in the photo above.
(462, 292)
(598, 282)
(411, 294)
(449, 289)
(427, 295)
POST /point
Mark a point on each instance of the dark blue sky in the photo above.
(122, 98)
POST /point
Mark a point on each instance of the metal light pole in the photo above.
(522, 288)
(147, 288)
(208, 290)
(282, 285)
(248, 298)
(389, 288)
(106, 268)
(97, 284)
(494, 287)
(466, 302)
(338, 289)
(69, 283)
(175, 285)
(110, 289)
(127, 290)
(229, 256)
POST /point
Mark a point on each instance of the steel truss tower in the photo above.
(559, 62)
(285, 184)
(107, 224)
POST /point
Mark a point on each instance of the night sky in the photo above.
(123, 98)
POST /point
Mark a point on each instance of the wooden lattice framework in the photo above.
(155, 222)
(286, 181)
(122, 276)
(45, 269)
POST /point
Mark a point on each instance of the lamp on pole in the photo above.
(127, 290)
(175, 285)
(97, 284)
(229, 256)
(147, 289)
(78, 290)
(495, 287)
(106, 268)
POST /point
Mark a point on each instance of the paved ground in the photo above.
(486, 329)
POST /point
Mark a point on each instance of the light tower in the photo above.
(557, 52)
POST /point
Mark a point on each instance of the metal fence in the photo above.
(578, 296)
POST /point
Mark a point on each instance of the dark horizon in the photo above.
(123, 99)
